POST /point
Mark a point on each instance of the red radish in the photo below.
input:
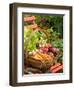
(57, 69)
(45, 49)
(49, 45)
(54, 50)
(55, 66)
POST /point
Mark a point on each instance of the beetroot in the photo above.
(43, 20)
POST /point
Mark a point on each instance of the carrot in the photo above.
(57, 69)
(37, 56)
(45, 56)
(27, 19)
(33, 26)
(55, 66)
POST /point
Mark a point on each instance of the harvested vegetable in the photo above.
(55, 66)
(43, 44)
(57, 69)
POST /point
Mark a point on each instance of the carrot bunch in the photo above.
(29, 19)
(56, 68)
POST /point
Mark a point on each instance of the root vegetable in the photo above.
(57, 69)
(54, 50)
(55, 66)
(29, 19)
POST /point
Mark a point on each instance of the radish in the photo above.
(54, 50)
(44, 49)
(49, 45)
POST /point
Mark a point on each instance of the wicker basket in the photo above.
(43, 63)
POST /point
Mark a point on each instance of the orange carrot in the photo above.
(27, 19)
(55, 66)
(57, 69)
(33, 26)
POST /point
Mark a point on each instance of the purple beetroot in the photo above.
(43, 20)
